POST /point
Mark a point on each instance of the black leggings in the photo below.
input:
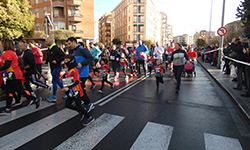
(85, 97)
(78, 107)
(12, 86)
(105, 79)
(32, 78)
(144, 66)
(159, 80)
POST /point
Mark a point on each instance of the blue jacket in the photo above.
(83, 56)
(141, 48)
(95, 52)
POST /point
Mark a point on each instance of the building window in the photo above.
(128, 9)
(73, 27)
(37, 13)
(129, 29)
(72, 11)
(37, 26)
(36, 1)
(44, 0)
(56, 12)
(45, 10)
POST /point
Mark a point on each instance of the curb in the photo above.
(235, 100)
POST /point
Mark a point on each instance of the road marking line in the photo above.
(154, 136)
(15, 114)
(215, 142)
(3, 103)
(111, 98)
(90, 136)
(102, 99)
(32, 131)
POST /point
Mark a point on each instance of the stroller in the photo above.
(189, 69)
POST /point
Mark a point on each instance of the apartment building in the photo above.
(104, 25)
(184, 39)
(205, 35)
(164, 31)
(135, 20)
(73, 15)
(169, 33)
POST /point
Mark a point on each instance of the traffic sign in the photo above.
(222, 31)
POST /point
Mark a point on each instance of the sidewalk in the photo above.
(226, 83)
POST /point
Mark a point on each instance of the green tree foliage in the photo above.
(200, 43)
(243, 12)
(16, 21)
(149, 43)
(39, 34)
(116, 41)
(62, 34)
(98, 44)
(128, 41)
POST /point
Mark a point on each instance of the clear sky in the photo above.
(186, 16)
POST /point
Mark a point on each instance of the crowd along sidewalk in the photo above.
(225, 81)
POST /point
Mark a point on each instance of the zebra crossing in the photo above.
(152, 136)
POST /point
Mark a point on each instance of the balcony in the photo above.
(58, 3)
(59, 18)
(75, 2)
(76, 18)
(78, 33)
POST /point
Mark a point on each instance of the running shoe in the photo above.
(112, 86)
(100, 91)
(38, 102)
(64, 96)
(89, 107)
(31, 102)
(17, 103)
(89, 121)
(81, 116)
(5, 113)
(93, 86)
(51, 99)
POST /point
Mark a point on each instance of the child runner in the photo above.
(73, 89)
(150, 64)
(159, 73)
(105, 70)
(133, 65)
(124, 63)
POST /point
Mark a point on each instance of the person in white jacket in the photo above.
(158, 51)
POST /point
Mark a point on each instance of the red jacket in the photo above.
(38, 55)
(123, 62)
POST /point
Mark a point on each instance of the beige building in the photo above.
(104, 25)
(205, 35)
(184, 39)
(164, 30)
(170, 37)
(73, 15)
(135, 20)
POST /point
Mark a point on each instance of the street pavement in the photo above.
(134, 115)
(225, 81)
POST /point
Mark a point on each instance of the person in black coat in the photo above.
(30, 68)
(54, 57)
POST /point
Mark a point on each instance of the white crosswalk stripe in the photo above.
(89, 137)
(26, 134)
(215, 142)
(153, 136)
(15, 114)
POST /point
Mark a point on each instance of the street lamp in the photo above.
(222, 37)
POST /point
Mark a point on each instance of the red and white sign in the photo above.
(222, 31)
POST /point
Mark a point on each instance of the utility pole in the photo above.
(221, 38)
(210, 22)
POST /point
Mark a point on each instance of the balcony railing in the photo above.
(78, 33)
(58, 0)
(76, 18)
(59, 16)
(75, 2)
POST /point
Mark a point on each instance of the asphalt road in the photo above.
(133, 115)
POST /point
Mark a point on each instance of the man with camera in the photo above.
(237, 46)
